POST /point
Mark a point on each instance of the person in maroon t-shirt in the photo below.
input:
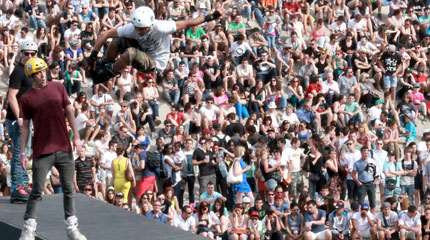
(46, 104)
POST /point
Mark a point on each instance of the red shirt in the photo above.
(46, 107)
(178, 117)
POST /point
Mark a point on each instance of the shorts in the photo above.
(318, 236)
(390, 81)
(145, 184)
(410, 235)
(139, 59)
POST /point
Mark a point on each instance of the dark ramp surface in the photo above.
(97, 220)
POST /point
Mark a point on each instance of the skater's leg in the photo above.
(41, 167)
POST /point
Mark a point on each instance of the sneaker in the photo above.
(20, 195)
(102, 72)
(72, 229)
(29, 229)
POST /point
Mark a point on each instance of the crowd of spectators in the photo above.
(288, 119)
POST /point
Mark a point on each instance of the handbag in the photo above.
(129, 174)
(231, 177)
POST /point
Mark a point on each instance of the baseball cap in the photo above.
(365, 206)
(111, 189)
(246, 200)
(253, 214)
(119, 194)
(386, 205)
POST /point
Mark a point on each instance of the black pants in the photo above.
(190, 180)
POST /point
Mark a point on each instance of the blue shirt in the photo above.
(305, 115)
(412, 130)
(316, 228)
(366, 170)
(161, 218)
(210, 198)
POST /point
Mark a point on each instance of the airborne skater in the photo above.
(144, 44)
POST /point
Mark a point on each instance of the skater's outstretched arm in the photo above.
(111, 33)
(184, 24)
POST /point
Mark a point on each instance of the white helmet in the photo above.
(28, 45)
(143, 17)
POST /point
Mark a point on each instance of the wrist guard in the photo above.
(214, 16)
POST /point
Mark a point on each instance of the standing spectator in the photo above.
(51, 145)
(202, 157)
(19, 84)
(391, 62)
(120, 166)
(409, 169)
(84, 171)
(364, 173)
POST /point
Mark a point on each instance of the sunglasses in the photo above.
(30, 54)
(87, 189)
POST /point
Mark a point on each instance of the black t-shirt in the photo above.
(87, 37)
(391, 61)
(18, 80)
(209, 84)
(205, 169)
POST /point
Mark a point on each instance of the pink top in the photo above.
(223, 99)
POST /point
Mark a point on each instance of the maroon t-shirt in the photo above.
(46, 107)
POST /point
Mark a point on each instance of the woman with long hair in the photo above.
(120, 166)
(207, 221)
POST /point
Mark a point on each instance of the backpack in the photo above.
(404, 166)
(153, 159)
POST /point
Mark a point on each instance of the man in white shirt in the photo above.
(410, 224)
(364, 222)
(185, 220)
(380, 156)
(295, 154)
(144, 43)
(209, 111)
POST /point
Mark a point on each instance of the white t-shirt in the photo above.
(349, 158)
(156, 43)
(363, 225)
(238, 49)
(106, 160)
(185, 225)
(294, 159)
(209, 113)
(81, 121)
(408, 221)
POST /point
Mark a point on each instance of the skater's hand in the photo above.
(24, 160)
(77, 143)
(20, 121)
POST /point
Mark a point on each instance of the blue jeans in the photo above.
(172, 96)
(36, 23)
(19, 175)
(271, 40)
(409, 190)
(153, 104)
(241, 111)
